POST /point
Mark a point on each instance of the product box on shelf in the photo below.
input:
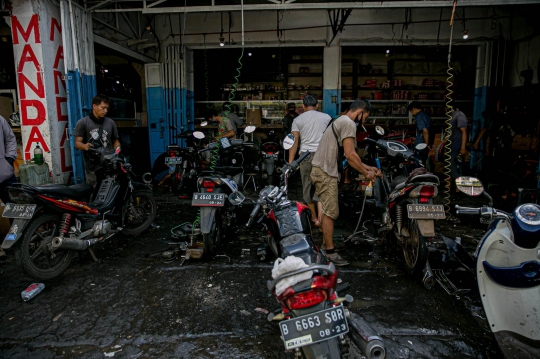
(253, 116)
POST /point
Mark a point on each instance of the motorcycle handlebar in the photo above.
(299, 160)
(468, 211)
(253, 214)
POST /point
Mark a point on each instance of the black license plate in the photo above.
(173, 160)
(314, 327)
(13, 210)
(426, 211)
(208, 199)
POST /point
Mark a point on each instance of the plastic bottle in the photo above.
(32, 290)
(38, 155)
(369, 189)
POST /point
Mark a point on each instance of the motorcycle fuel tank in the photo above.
(291, 218)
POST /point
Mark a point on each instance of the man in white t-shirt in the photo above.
(308, 129)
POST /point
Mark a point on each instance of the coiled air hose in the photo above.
(448, 122)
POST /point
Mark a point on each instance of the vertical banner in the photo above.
(38, 54)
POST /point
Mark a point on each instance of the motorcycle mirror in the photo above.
(288, 141)
(204, 123)
(421, 146)
(249, 129)
(470, 186)
(236, 198)
(379, 130)
(198, 135)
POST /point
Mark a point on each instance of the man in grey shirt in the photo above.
(325, 175)
(227, 111)
(95, 131)
(308, 129)
(8, 154)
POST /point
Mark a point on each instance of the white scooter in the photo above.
(507, 269)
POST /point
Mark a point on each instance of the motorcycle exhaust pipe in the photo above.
(429, 280)
(366, 338)
(74, 244)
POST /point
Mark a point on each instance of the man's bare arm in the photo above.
(294, 148)
(354, 159)
(80, 145)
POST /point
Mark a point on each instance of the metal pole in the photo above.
(242, 3)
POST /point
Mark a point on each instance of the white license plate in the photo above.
(426, 211)
(208, 200)
(13, 210)
(173, 160)
(315, 327)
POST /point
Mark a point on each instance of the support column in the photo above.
(39, 64)
(187, 87)
(332, 80)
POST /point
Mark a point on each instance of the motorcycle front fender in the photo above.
(15, 232)
(207, 218)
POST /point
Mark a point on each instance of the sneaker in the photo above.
(337, 260)
(323, 247)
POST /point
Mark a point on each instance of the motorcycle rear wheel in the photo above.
(138, 218)
(212, 240)
(415, 250)
(32, 253)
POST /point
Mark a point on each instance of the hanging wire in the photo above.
(448, 122)
(207, 90)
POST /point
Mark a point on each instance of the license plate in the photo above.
(13, 210)
(173, 160)
(208, 200)
(314, 327)
(426, 211)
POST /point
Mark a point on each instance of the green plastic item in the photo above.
(34, 174)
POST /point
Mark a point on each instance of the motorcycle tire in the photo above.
(38, 234)
(415, 251)
(271, 179)
(145, 212)
(212, 240)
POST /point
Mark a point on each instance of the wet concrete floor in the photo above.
(131, 305)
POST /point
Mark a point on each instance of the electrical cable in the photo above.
(448, 122)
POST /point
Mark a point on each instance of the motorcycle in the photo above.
(507, 270)
(53, 221)
(313, 320)
(184, 165)
(404, 207)
(218, 196)
(269, 160)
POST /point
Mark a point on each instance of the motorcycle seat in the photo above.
(228, 170)
(401, 181)
(78, 191)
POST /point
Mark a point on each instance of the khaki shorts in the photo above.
(308, 190)
(327, 190)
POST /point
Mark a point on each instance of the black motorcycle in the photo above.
(183, 165)
(218, 195)
(53, 221)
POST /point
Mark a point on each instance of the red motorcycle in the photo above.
(313, 320)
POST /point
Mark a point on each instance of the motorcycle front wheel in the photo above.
(415, 250)
(139, 213)
(32, 253)
(212, 240)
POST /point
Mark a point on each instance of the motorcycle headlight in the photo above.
(233, 161)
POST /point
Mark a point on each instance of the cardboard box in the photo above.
(253, 116)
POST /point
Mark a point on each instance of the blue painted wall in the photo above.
(328, 106)
(155, 107)
(80, 90)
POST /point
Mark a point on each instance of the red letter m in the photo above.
(17, 28)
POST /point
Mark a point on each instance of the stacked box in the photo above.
(397, 83)
(400, 95)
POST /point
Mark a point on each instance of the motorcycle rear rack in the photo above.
(447, 284)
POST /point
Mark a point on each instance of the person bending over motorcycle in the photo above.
(95, 131)
(224, 124)
(325, 175)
